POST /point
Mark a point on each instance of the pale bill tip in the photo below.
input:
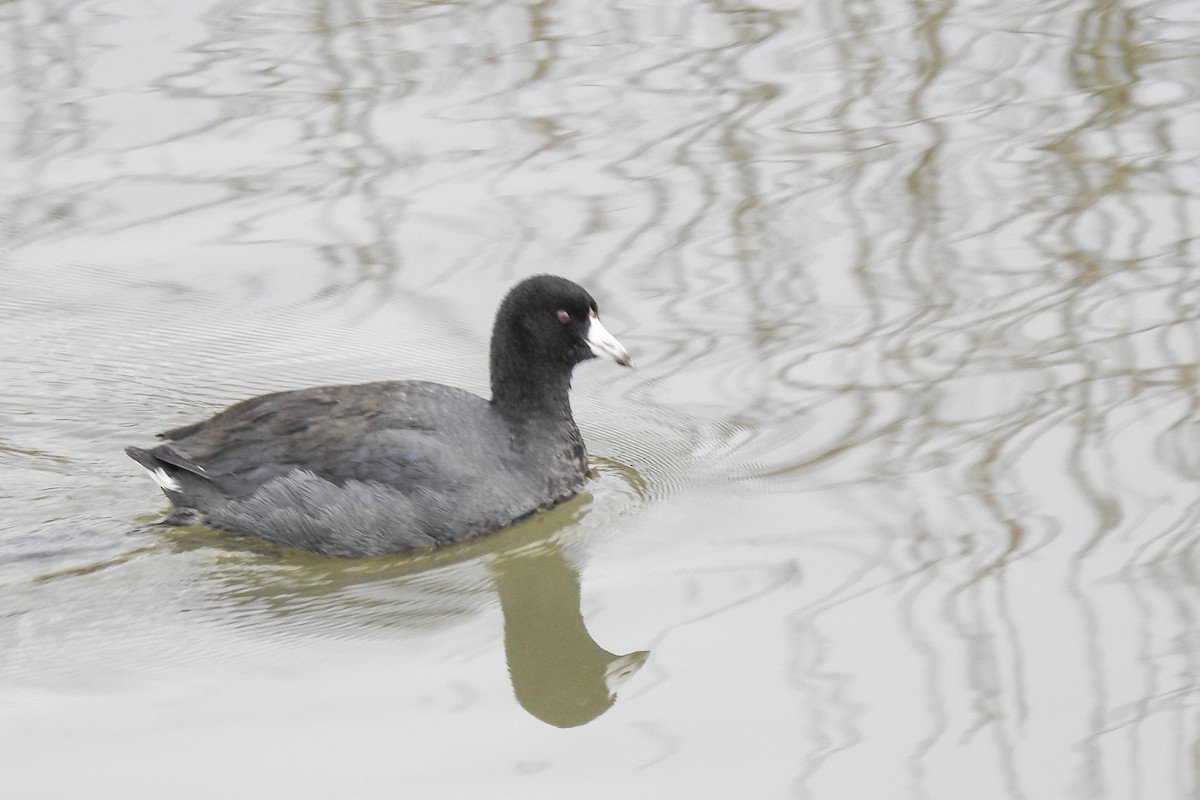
(603, 343)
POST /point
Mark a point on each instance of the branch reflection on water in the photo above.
(927, 266)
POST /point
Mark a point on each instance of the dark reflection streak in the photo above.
(750, 230)
(548, 131)
(350, 107)
(551, 135)
(1145, 639)
(1185, 611)
(684, 141)
(382, 258)
(859, 86)
(864, 267)
(1104, 29)
(552, 138)
(923, 643)
(962, 613)
(851, 51)
(344, 47)
(852, 43)
(924, 179)
(1016, 668)
(811, 653)
(856, 436)
(149, 220)
(818, 712)
(98, 564)
(329, 254)
(1169, 558)
(672, 250)
(989, 680)
(539, 28)
(551, 132)
(924, 182)
(50, 126)
(656, 187)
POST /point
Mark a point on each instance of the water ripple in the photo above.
(911, 288)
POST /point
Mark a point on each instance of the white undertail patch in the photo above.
(164, 480)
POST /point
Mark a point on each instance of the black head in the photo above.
(545, 326)
(554, 321)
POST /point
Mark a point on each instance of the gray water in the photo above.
(901, 501)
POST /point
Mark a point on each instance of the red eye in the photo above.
(563, 316)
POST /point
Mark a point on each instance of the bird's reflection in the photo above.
(559, 673)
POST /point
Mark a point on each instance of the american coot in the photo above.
(399, 465)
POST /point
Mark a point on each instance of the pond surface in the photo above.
(902, 500)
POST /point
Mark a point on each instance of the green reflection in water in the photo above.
(559, 673)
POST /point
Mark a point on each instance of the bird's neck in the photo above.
(524, 390)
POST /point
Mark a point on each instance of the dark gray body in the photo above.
(368, 469)
(395, 466)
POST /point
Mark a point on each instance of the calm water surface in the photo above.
(902, 501)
